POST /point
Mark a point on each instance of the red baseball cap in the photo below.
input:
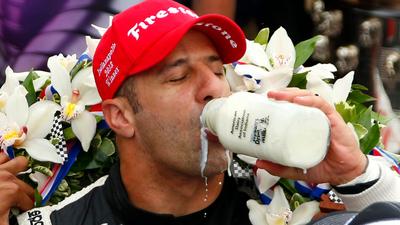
(144, 34)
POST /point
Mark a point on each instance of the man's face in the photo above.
(172, 96)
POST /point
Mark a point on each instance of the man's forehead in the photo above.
(193, 44)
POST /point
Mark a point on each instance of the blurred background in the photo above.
(360, 35)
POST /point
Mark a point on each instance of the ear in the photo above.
(119, 116)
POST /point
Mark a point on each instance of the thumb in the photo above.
(4, 217)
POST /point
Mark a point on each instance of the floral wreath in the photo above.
(54, 119)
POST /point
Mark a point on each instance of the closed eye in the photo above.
(220, 73)
(181, 78)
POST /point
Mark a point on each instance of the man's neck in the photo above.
(169, 194)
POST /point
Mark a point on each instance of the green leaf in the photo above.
(44, 170)
(371, 139)
(100, 157)
(107, 147)
(365, 117)
(98, 118)
(381, 118)
(77, 68)
(262, 36)
(304, 50)
(359, 87)
(361, 131)
(295, 201)
(360, 97)
(299, 80)
(96, 141)
(28, 84)
(38, 198)
(63, 186)
(68, 133)
(75, 175)
(348, 112)
(82, 162)
(287, 186)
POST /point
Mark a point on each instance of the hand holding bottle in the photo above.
(279, 131)
(344, 160)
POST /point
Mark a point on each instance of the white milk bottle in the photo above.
(285, 133)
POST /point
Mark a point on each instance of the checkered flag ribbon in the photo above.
(241, 172)
(57, 136)
(334, 198)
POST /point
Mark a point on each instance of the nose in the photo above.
(210, 85)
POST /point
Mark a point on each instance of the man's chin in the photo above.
(213, 171)
(211, 137)
(217, 160)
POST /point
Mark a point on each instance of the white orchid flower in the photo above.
(263, 179)
(321, 70)
(342, 88)
(281, 58)
(280, 51)
(102, 30)
(247, 159)
(75, 95)
(255, 54)
(67, 62)
(93, 42)
(278, 211)
(271, 66)
(21, 76)
(251, 68)
(238, 82)
(25, 127)
(334, 94)
(8, 88)
(12, 82)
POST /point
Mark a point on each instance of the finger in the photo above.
(14, 196)
(320, 103)
(281, 171)
(24, 202)
(288, 94)
(306, 98)
(26, 188)
(8, 177)
(15, 165)
(4, 218)
(316, 102)
(3, 158)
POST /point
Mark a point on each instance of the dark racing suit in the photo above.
(106, 202)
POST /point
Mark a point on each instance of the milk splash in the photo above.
(204, 150)
(204, 147)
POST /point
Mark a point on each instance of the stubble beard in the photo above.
(178, 146)
(217, 160)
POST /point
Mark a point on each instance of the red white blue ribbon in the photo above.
(392, 160)
(313, 191)
(59, 172)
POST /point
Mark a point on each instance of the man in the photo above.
(155, 68)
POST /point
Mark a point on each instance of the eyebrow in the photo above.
(213, 58)
(185, 60)
(176, 63)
